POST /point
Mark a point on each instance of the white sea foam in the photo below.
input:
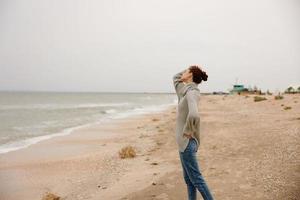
(13, 146)
(61, 106)
(109, 111)
(142, 110)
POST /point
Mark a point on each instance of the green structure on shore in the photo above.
(237, 89)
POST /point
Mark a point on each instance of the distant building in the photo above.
(238, 89)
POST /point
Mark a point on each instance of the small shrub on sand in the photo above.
(50, 196)
(155, 119)
(287, 108)
(127, 152)
(258, 98)
(278, 97)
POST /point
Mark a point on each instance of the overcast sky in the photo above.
(138, 45)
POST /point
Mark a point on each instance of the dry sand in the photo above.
(248, 150)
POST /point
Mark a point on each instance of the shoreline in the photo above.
(70, 150)
(21, 144)
(242, 155)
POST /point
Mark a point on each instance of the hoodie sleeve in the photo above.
(178, 84)
(193, 119)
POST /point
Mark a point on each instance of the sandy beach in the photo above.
(248, 150)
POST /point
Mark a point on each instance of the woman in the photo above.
(188, 129)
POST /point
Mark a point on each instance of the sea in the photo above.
(29, 117)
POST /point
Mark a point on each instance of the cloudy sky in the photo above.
(138, 45)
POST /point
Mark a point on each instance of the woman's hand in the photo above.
(187, 135)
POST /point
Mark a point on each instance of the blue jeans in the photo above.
(191, 173)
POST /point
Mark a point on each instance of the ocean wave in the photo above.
(16, 145)
(112, 114)
(109, 111)
(142, 110)
(61, 106)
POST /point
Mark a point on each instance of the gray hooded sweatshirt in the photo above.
(187, 118)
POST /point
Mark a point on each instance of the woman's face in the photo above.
(186, 75)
